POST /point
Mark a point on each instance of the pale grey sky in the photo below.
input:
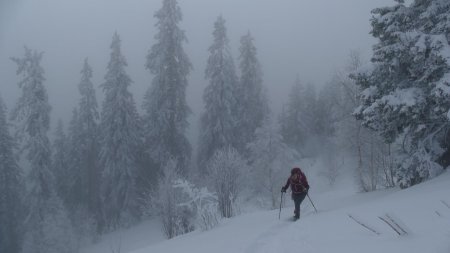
(311, 38)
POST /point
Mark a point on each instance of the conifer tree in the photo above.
(74, 173)
(11, 187)
(84, 143)
(252, 98)
(325, 111)
(406, 94)
(47, 225)
(165, 101)
(219, 122)
(61, 161)
(309, 109)
(294, 127)
(119, 143)
(298, 120)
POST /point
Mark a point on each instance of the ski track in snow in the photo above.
(266, 242)
(281, 237)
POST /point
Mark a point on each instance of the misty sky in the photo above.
(311, 38)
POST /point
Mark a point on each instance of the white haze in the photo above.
(311, 38)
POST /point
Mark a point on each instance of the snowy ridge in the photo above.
(422, 211)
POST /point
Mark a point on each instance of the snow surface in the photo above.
(421, 210)
(143, 235)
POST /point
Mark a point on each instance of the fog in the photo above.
(157, 176)
(308, 38)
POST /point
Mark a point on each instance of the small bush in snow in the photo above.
(176, 219)
(200, 202)
(417, 168)
(181, 205)
(225, 173)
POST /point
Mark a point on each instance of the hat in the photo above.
(295, 170)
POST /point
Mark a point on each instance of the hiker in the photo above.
(299, 187)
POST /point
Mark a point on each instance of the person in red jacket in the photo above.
(299, 187)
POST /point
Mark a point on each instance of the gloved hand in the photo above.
(307, 188)
(283, 189)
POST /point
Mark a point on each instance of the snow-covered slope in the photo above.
(127, 240)
(421, 211)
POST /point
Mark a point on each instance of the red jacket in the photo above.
(298, 182)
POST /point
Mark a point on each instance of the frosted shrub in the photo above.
(179, 204)
(225, 173)
(167, 198)
(202, 203)
(417, 168)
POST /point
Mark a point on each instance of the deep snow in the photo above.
(421, 210)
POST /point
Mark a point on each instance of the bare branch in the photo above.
(364, 225)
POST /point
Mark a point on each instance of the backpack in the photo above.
(298, 182)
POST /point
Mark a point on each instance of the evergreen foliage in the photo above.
(219, 123)
(45, 209)
(120, 140)
(11, 189)
(61, 161)
(52, 233)
(253, 104)
(165, 101)
(406, 92)
(294, 127)
(84, 133)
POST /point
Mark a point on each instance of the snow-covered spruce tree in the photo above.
(53, 233)
(294, 128)
(11, 188)
(47, 225)
(225, 174)
(309, 109)
(406, 93)
(119, 142)
(253, 104)
(325, 112)
(269, 157)
(72, 196)
(85, 179)
(165, 101)
(219, 123)
(84, 222)
(316, 116)
(61, 161)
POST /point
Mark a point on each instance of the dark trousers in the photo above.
(298, 198)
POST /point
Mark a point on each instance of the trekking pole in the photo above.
(279, 214)
(307, 194)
